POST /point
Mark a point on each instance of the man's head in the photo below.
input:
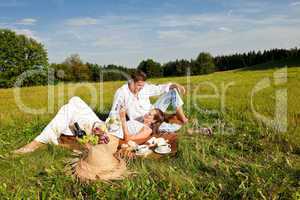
(138, 81)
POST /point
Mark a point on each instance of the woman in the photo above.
(78, 111)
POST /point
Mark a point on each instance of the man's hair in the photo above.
(139, 76)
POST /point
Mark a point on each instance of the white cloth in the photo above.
(134, 127)
(139, 105)
(170, 98)
(78, 111)
(75, 111)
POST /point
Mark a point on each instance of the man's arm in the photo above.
(156, 90)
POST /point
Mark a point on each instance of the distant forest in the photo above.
(20, 54)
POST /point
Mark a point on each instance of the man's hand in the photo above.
(179, 87)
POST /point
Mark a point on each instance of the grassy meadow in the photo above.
(245, 159)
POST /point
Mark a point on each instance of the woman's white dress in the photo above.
(78, 111)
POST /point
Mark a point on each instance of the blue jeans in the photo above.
(170, 98)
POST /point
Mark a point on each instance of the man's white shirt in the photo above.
(136, 105)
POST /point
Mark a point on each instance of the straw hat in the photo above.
(100, 163)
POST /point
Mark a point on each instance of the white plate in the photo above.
(163, 152)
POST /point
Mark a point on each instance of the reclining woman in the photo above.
(78, 111)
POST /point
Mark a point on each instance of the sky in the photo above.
(125, 32)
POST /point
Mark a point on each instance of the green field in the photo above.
(245, 159)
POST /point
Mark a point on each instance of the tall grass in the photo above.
(245, 159)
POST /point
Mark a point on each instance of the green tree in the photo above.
(204, 64)
(94, 70)
(80, 71)
(176, 68)
(62, 72)
(19, 54)
(151, 68)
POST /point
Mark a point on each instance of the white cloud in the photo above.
(297, 3)
(26, 21)
(209, 20)
(225, 29)
(188, 20)
(84, 21)
(229, 13)
(114, 37)
(169, 37)
(221, 43)
(222, 21)
(28, 33)
(173, 35)
(107, 41)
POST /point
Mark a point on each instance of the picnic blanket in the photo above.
(172, 140)
(70, 142)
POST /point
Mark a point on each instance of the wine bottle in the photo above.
(78, 131)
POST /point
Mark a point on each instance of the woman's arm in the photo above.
(143, 134)
(122, 114)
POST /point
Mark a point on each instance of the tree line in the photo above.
(241, 60)
(20, 54)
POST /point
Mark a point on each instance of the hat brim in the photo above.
(85, 171)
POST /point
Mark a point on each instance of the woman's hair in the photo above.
(161, 117)
(158, 118)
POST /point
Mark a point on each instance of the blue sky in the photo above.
(126, 32)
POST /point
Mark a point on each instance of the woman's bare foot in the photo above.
(28, 148)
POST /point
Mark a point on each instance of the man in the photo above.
(135, 95)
